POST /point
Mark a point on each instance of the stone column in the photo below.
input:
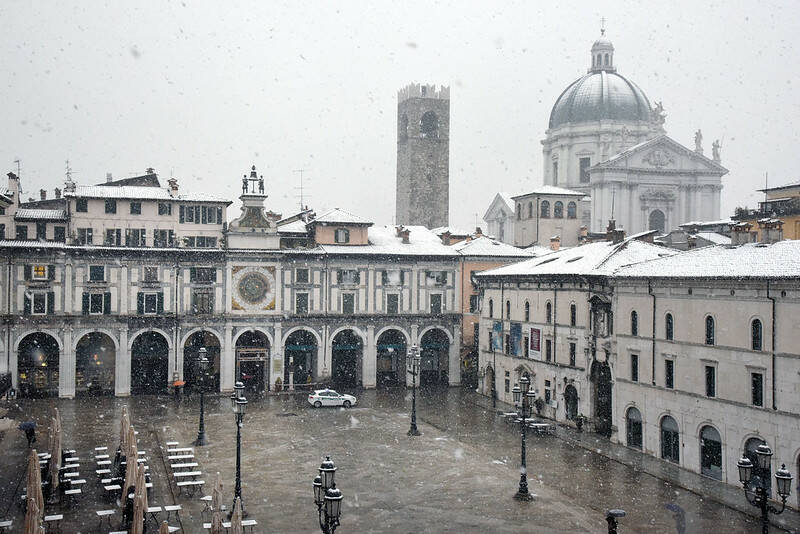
(66, 367)
(122, 366)
(124, 289)
(68, 285)
(276, 356)
(228, 290)
(454, 372)
(227, 362)
(369, 360)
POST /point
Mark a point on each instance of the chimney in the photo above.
(445, 237)
(399, 228)
(691, 241)
(109, 178)
(58, 193)
(555, 243)
(584, 233)
(403, 233)
(173, 186)
(150, 170)
(478, 231)
(42, 194)
(613, 234)
(13, 181)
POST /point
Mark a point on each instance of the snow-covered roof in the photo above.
(599, 259)
(714, 237)
(40, 214)
(453, 231)
(340, 216)
(294, 227)
(753, 260)
(790, 185)
(484, 246)
(551, 190)
(384, 240)
(539, 250)
(506, 197)
(720, 222)
(134, 192)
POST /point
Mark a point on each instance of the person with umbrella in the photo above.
(29, 427)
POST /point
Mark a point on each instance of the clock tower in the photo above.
(254, 229)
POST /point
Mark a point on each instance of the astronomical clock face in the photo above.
(255, 288)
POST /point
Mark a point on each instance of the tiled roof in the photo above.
(484, 246)
(40, 214)
(340, 216)
(294, 227)
(551, 190)
(714, 237)
(138, 193)
(384, 240)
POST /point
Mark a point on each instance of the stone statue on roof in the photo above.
(716, 148)
(698, 141)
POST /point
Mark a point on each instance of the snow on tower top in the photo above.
(416, 90)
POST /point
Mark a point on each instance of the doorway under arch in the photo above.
(37, 365)
(657, 221)
(391, 364)
(710, 452)
(299, 357)
(95, 359)
(149, 364)
(435, 348)
(601, 383)
(252, 361)
(191, 351)
(571, 401)
(346, 355)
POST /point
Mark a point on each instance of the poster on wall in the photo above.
(516, 339)
(497, 336)
(535, 349)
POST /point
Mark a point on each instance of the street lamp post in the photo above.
(239, 406)
(523, 400)
(413, 363)
(327, 497)
(760, 497)
(494, 375)
(202, 363)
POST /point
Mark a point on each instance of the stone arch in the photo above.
(252, 347)
(95, 363)
(435, 362)
(712, 456)
(355, 329)
(634, 427)
(429, 328)
(150, 363)
(391, 347)
(300, 362)
(196, 329)
(571, 401)
(49, 332)
(244, 329)
(306, 328)
(38, 359)
(190, 352)
(86, 331)
(347, 356)
(398, 328)
(132, 337)
(657, 221)
(669, 440)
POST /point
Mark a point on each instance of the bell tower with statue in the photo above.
(254, 229)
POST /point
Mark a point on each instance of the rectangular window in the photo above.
(96, 303)
(473, 304)
(301, 276)
(555, 172)
(508, 385)
(634, 367)
(547, 392)
(39, 272)
(342, 235)
(348, 303)
(202, 275)
(200, 241)
(59, 234)
(150, 274)
(301, 303)
(151, 303)
(135, 237)
(3, 231)
(39, 303)
(41, 231)
(202, 301)
(757, 387)
(348, 276)
(548, 350)
(84, 236)
(572, 354)
(164, 208)
(22, 232)
(669, 374)
(97, 273)
(584, 164)
(113, 237)
(437, 278)
(111, 206)
(508, 344)
(392, 278)
(392, 304)
(711, 381)
(436, 304)
(163, 238)
(2, 210)
(82, 205)
(475, 335)
(136, 208)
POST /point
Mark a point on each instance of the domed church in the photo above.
(605, 139)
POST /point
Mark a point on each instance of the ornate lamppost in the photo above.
(760, 492)
(239, 406)
(413, 363)
(202, 366)
(327, 497)
(523, 401)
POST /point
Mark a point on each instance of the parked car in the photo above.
(328, 397)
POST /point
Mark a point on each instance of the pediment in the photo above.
(663, 154)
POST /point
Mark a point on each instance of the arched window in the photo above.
(760, 476)
(633, 424)
(558, 210)
(572, 211)
(670, 440)
(544, 210)
(530, 210)
(573, 315)
(669, 328)
(508, 309)
(342, 235)
(491, 308)
(657, 221)
(548, 313)
(429, 125)
(605, 62)
(709, 330)
(634, 323)
(755, 335)
(519, 211)
(710, 452)
(527, 311)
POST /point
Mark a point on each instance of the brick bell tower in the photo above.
(423, 156)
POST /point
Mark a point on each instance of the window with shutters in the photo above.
(348, 276)
(202, 301)
(392, 304)
(39, 303)
(97, 273)
(348, 303)
(301, 303)
(22, 232)
(59, 234)
(82, 205)
(136, 237)
(203, 275)
(473, 304)
(41, 231)
(97, 303)
(39, 272)
(150, 303)
(436, 304)
(342, 235)
(301, 276)
(113, 237)
(136, 208)
(111, 206)
(164, 208)
(84, 236)
(163, 238)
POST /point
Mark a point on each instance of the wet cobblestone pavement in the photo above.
(459, 476)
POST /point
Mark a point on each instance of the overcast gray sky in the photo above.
(205, 89)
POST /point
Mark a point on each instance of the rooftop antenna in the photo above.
(602, 26)
(19, 167)
(613, 198)
(67, 170)
(302, 196)
(766, 186)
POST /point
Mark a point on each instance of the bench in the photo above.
(541, 428)
(184, 466)
(172, 443)
(190, 485)
(173, 508)
(71, 459)
(118, 532)
(183, 474)
(101, 457)
(181, 457)
(104, 462)
(73, 491)
(71, 475)
(154, 511)
(98, 449)
(54, 519)
(67, 452)
(113, 487)
(71, 466)
(43, 454)
(5, 525)
(103, 471)
(180, 449)
(251, 523)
